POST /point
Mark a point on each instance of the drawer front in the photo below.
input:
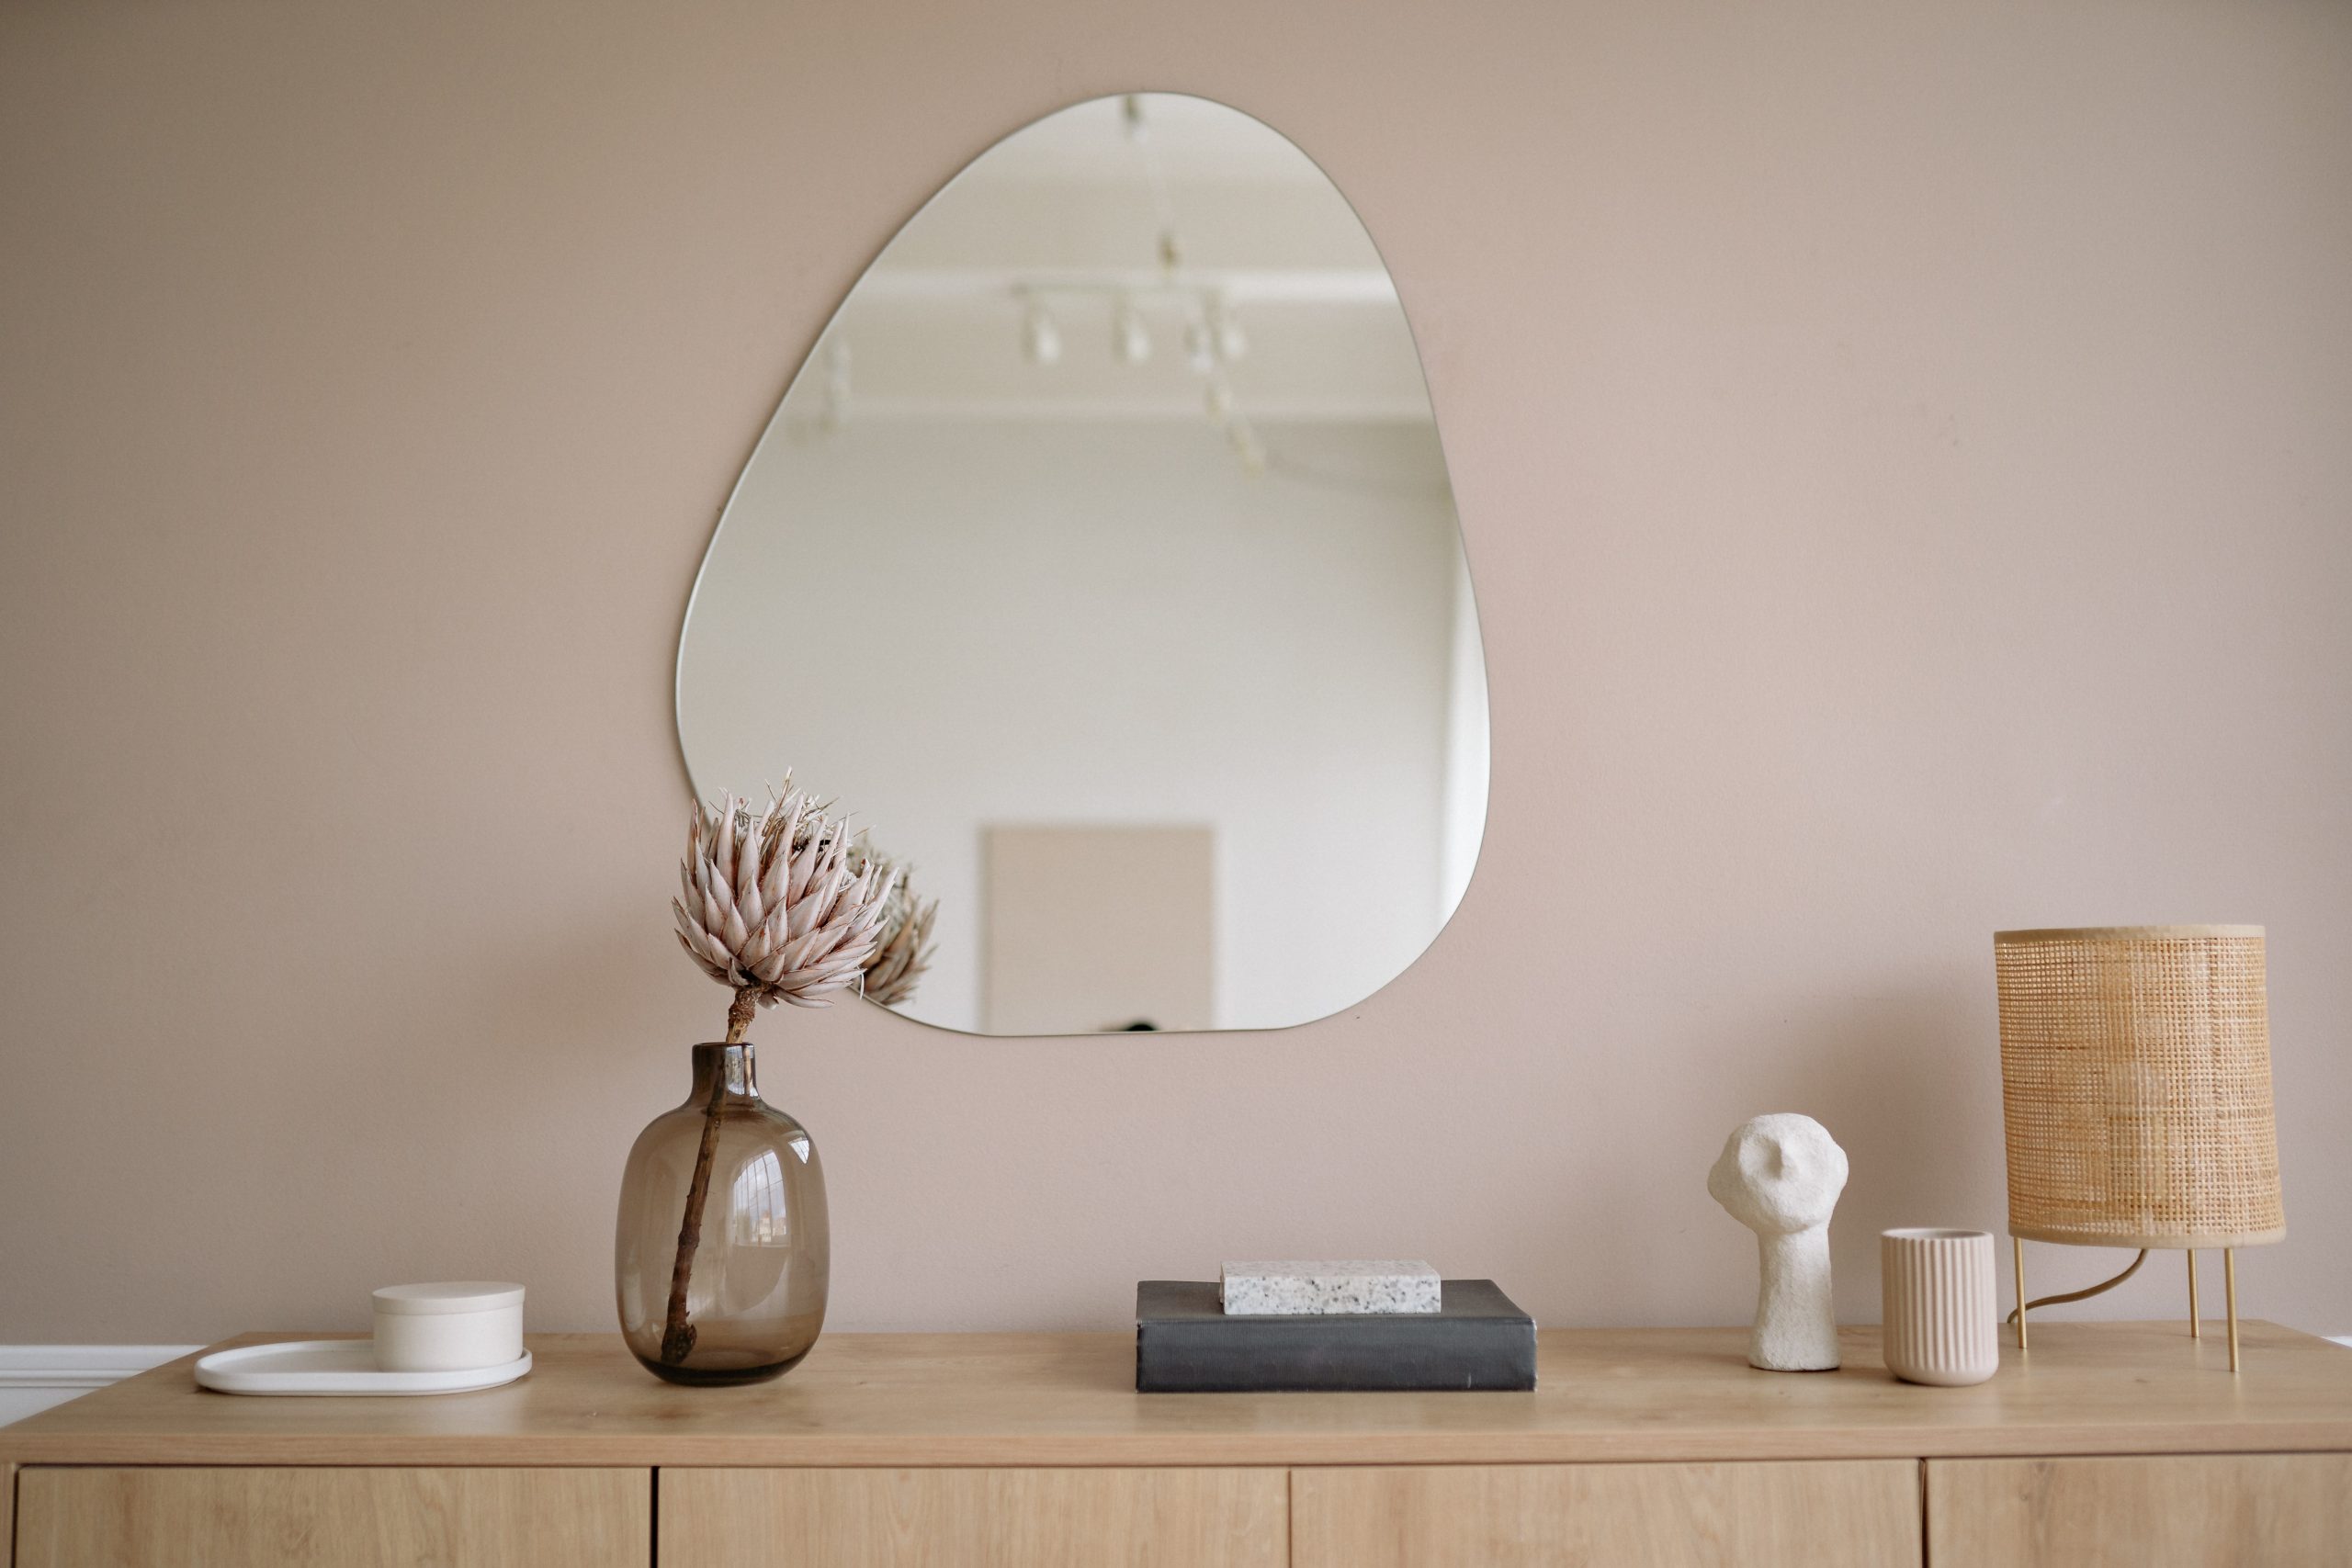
(276, 1517)
(2167, 1511)
(974, 1518)
(1863, 1514)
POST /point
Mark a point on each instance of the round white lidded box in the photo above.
(459, 1326)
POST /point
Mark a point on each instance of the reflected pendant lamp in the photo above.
(2136, 1096)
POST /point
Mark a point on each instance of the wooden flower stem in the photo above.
(677, 1333)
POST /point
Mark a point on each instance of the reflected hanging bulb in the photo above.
(1220, 402)
(1231, 342)
(1130, 339)
(1041, 340)
(1200, 351)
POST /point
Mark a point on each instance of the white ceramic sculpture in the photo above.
(1780, 1176)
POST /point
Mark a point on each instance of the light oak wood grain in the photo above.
(352, 1518)
(2173, 1511)
(974, 1518)
(1053, 1400)
(1855, 1514)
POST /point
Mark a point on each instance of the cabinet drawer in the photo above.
(974, 1518)
(1864, 1514)
(2167, 1511)
(354, 1518)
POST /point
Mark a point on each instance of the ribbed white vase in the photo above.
(1942, 1325)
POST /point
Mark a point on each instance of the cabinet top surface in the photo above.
(1070, 1399)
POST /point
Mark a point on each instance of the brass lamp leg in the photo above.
(2230, 1289)
(2194, 1331)
(2016, 1267)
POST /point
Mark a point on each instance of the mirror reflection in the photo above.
(1101, 560)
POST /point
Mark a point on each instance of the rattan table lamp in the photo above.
(2135, 1091)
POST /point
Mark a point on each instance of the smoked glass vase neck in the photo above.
(734, 1063)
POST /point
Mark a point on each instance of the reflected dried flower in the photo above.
(903, 952)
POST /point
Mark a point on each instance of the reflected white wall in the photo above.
(1467, 739)
(953, 623)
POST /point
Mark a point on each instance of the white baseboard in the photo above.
(34, 1376)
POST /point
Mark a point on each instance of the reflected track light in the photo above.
(1130, 339)
(1225, 333)
(1200, 349)
(1041, 340)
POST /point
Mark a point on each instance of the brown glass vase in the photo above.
(719, 1257)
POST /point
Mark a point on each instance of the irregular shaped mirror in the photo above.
(1102, 559)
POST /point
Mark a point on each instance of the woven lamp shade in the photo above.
(2135, 1086)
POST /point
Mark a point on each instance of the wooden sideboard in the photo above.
(2125, 1443)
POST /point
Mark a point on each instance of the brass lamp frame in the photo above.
(2196, 1322)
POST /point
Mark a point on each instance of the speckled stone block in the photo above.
(1314, 1290)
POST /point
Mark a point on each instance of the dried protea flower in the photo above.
(904, 951)
(785, 907)
(771, 903)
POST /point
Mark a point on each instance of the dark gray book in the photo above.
(1185, 1344)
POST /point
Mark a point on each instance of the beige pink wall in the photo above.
(1906, 457)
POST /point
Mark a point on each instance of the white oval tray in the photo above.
(334, 1366)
